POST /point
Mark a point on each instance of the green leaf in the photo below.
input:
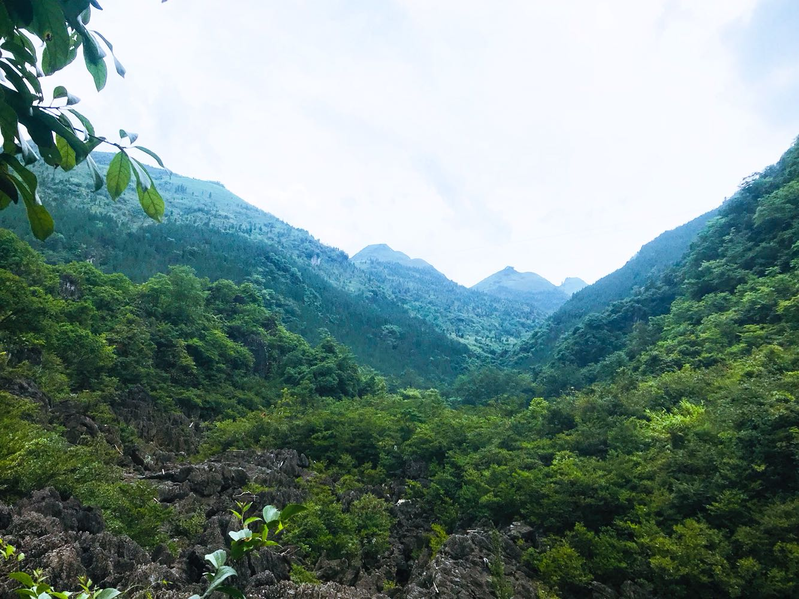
(118, 176)
(22, 578)
(87, 124)
(291, 510)
(98, 176)
(49, 23)
(142, 177)
(94, 62)
(240, 535)
(31, 183)
(61, 92)
(20, 10)
(271, 514)
(117, 65)
(250, 520)
(68, 158)
(152, 155)
(152, 202)
(41, 222)
(131, 136)
(8, 190)
(217, 559)
(221, 575)
(8, 127)
(107, 594)
(231, 592)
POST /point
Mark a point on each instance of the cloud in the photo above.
(556, 137)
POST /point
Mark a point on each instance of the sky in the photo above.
(555, 137)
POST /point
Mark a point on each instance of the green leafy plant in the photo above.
(438, 537)
(62, 136)
(301, 575)
(218, 575)
(35, 584)
(246, 539)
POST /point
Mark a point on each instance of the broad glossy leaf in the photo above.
(94, 62)
(28, 178)
(221, 575)
(68, 159)
(118, 175)
(117, 65)
(22, 578)
(217, 559)
(107, 594)
(292, 509)
(6, 24)
(142, 176)
(132, 137)
(152, 155)
(8, 127)
(87, 124)
(20, 10)
(8, 190)
(240, 535)
(49, 23)
(61, 92)
(40, 220)
(271, 514)
(98, 176)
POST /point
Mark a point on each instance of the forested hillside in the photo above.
(312, 286)
(656, 456)
(486, 324)
(527, 287)
(648, 264)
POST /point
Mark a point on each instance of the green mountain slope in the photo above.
(380, 252)
(662, 462)
(647, 265)
(527, 287)
(312, 286)
(487, 324)
(737, 275)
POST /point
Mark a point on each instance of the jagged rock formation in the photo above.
(67, 540)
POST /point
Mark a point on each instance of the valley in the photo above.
(636, 440)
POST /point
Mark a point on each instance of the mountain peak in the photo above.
(528, 287)
(382, 252)
(572, 285)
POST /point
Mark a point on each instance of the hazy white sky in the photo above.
(553, 136)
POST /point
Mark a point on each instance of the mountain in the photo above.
(652, 260)
(486, 324)
(314, 288)
(526, 287)
(572, 285)
(652, 452)
(380, 252)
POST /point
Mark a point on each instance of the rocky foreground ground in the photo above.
(67, 540)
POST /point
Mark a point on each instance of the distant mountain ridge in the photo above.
(314, 288)
(486, 324)
(381, 252)
(648, 263)
(529, 287)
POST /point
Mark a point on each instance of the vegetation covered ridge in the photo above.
(668, 468)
